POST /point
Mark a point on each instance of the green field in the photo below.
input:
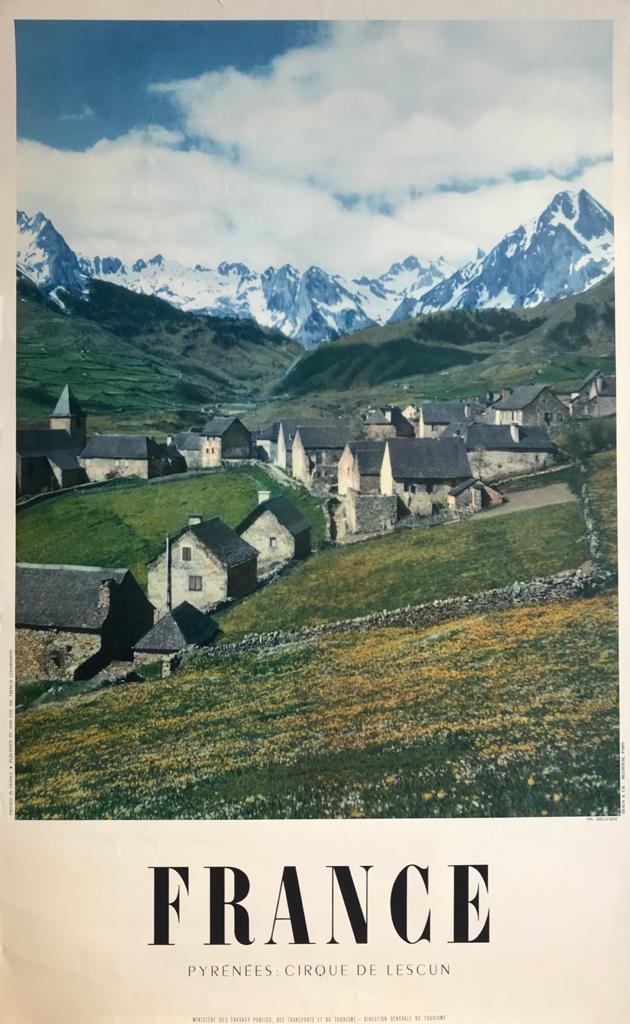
(413, 566)
(124, 523)
(514, 713)
(601, 485)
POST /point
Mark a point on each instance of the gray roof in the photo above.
(607, 386)
(187, 441)
(184, 626)
(62, 596)
(498, 437)
(428, 458)
(369, 456)
(329, 436)
(465, 484)
(64, 460)
(67, 404)
(521, 397)
(267, 432)
(33, 441)
(222, 541)
(443, 412)
(218, 425)
(120, 446)
(287, 514)
(289, 426)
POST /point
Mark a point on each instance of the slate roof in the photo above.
(329, 436)
(64, 460)
(498, 437)
(607, 386)
(428, 458)
(67, 404)
(268, 432)
(521, 397)
(187, 441)
(289, 426)
(222, 541)
(465, 484)
(62, 596)
(182, 627)
(287, 514)
(369, 456)
(218, 425)
(443, 412)
(120, 446)
(33, 441)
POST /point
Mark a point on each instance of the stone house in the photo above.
(421, 472)
(206, 563)
(179, 630)
(532, 405)
(189, 446)
(359, 468)
(474, 495)
(265, 442)
(285, 431)
(595, 397)
(72, 620)
(106, 456)
(496, 451)
(278, 530)
(435, 417)
(48, 459)
(316, 452)
(411, 412)
(387, 421)
(225, 437)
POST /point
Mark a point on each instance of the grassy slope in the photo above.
(125, 523)
(509, 714)
(460, 352)
(127, 356)
(413, 566)
(601, 484)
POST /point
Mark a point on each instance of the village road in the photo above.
(537, 497)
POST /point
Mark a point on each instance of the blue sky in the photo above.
(344, 144)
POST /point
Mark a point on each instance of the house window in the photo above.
(186, 554)
(194, 582)
(273, 542)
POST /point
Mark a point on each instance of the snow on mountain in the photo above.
(564, 251)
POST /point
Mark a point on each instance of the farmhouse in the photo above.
(278, 530)
(596, 396)
(532, 405)
(72, 620)
(359, 468)
(316, 452)
(205, 564)
(48, 459)
(265, 442)
(225, 437)
(500, 451)
(387, 421)
(435, 417)
(474, 495)
(423, 471)
(106, 456)
(180, 629)
(189, 446)
(285, 431)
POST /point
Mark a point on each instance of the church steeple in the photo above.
(68, 415)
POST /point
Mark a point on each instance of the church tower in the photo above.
(68, 415)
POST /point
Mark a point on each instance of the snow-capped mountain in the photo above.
(564, 251)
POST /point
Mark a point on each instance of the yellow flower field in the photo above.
(513, 713)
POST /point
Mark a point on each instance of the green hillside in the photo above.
(134, 357)
(460, 351)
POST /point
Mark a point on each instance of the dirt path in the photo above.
(536, 497)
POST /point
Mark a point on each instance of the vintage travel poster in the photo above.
(314, 353)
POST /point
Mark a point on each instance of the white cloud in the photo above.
(84, 114)
(376, 112)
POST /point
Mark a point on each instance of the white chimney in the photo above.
(194, 518)
(515, 431)
(263, 496)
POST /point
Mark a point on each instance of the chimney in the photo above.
(467, 411)
(169, 599)
(105, 593)
(263, 496)
(169, 439)
(194, 518)
(388, 413)
(515, 431)
(505, 393)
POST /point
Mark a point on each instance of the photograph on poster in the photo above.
(316, 434)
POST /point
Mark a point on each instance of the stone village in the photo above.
(436, 462)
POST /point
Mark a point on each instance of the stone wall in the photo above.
(273, 542)
(561, 587)
(52, 654)
(371, 513)
(498, 465)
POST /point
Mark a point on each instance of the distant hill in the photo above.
(127, 355)
(484, 345)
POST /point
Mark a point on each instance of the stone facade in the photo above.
(275, 544)
(497, 465)
(596, 398)
(371, 514)
(544, 410)
(316, 468)
(53, 654)
(99, 470)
